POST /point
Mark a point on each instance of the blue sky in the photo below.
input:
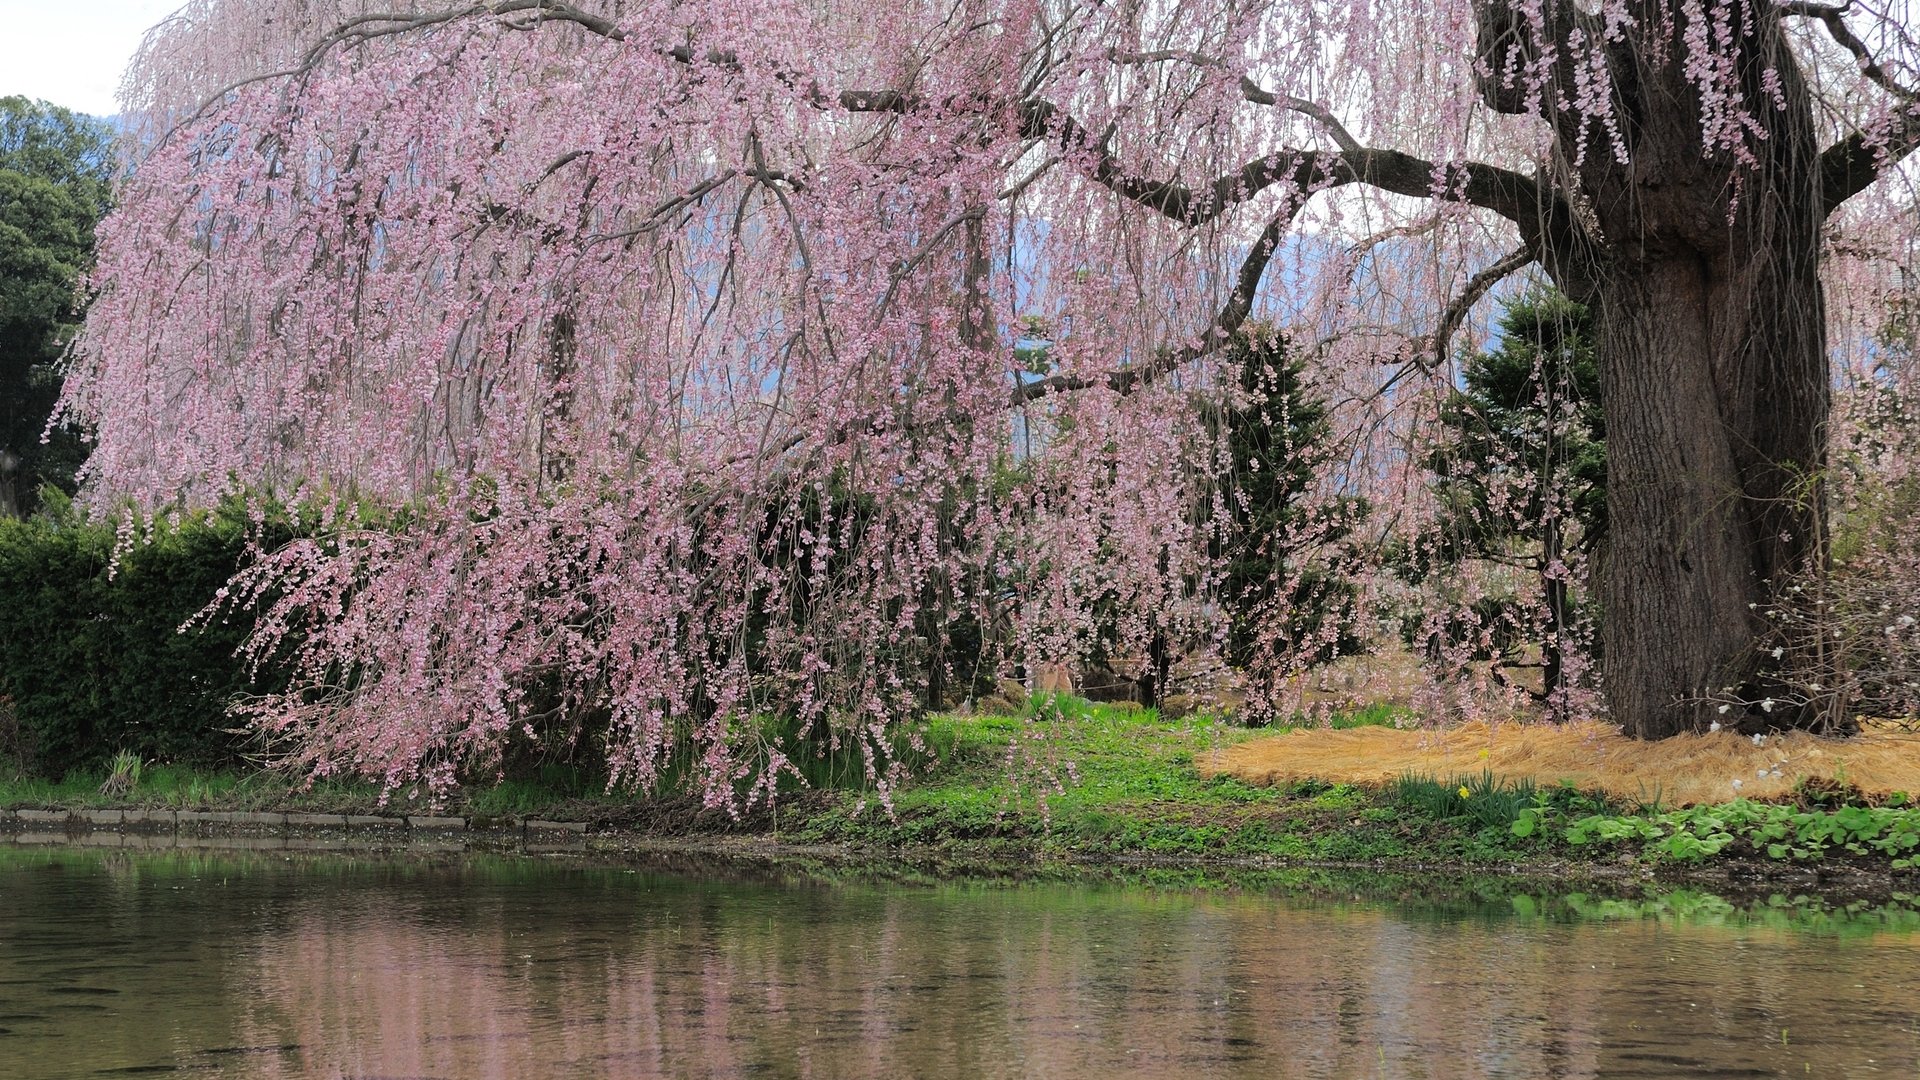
(72, 52)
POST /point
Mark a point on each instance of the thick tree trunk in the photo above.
(1712, 334)
(1716, 395)
(1714, 451)
(1677, 620)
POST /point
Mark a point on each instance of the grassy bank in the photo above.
(1081, 780)
(1071, 780)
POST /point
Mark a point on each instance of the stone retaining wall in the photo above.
(276, 829)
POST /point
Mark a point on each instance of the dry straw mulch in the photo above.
(1680, 771)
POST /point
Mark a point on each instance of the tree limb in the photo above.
(1252, 92)
(1517, 197)
(1249, 90)
(1477, 288)
(1512, 195)
(1451, 317)
(1830, 16)
(1849, 166)
(1228, 322)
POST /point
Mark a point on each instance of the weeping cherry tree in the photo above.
(610, 297)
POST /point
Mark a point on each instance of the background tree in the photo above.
(709, 256)
(1522, 470)
(1286, 562)
(56, 170)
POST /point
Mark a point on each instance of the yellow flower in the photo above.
(1483, 755)
(1464, 793)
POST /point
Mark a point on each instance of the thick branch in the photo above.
(1849, 166)
(1503, 191)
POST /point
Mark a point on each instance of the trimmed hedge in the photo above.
(93, 662)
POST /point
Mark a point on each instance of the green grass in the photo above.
(1064, 777)
(1072, 777)
(157, 785)
(534, 796)
(1378, 714)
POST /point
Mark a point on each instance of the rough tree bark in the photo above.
(1704, 272)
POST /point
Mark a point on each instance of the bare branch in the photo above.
(1477, 288)
(1218, 333)
(1249, 90)
(1430, 353)
(762, 175)
(1830, 16)
(912, 262)
(660, 214)
(1160, 56)
(1252, 92)
(1359, 248)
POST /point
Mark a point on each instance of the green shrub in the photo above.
(92, 655)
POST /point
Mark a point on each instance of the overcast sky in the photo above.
(71, 52)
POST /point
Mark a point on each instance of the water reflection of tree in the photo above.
(685, 982)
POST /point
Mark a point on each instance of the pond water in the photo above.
(462, 966)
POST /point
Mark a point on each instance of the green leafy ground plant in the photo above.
(1776, 831)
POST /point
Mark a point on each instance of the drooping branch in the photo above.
(1476, 290)
(1232, 315)
(1831, 16)
(1250, 90)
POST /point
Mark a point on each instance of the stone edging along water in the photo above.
(274, 829)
